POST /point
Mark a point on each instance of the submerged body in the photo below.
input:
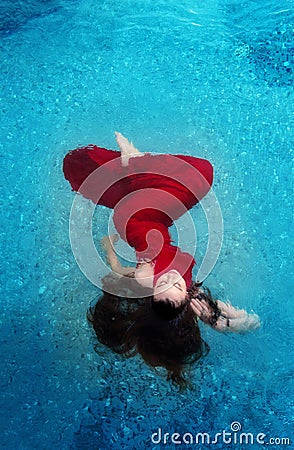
(147, 195)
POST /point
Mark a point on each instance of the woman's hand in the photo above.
(243, 324)
(107, 243)
(230, 319)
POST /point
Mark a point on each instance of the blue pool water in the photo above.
(211, 79)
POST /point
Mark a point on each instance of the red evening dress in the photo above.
(147, 196)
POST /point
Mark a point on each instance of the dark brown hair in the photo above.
(130, 325)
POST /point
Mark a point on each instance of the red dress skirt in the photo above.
(147, 196)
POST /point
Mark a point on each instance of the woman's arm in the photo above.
(229, 319)
(107, 244)
(128, 150)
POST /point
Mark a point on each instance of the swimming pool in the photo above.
(212, 80)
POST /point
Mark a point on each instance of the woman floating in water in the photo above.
(153, 308)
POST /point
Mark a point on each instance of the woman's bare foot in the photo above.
(127, 147)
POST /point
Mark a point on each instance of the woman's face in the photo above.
(170, 285)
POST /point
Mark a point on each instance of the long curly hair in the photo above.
(162, 334)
